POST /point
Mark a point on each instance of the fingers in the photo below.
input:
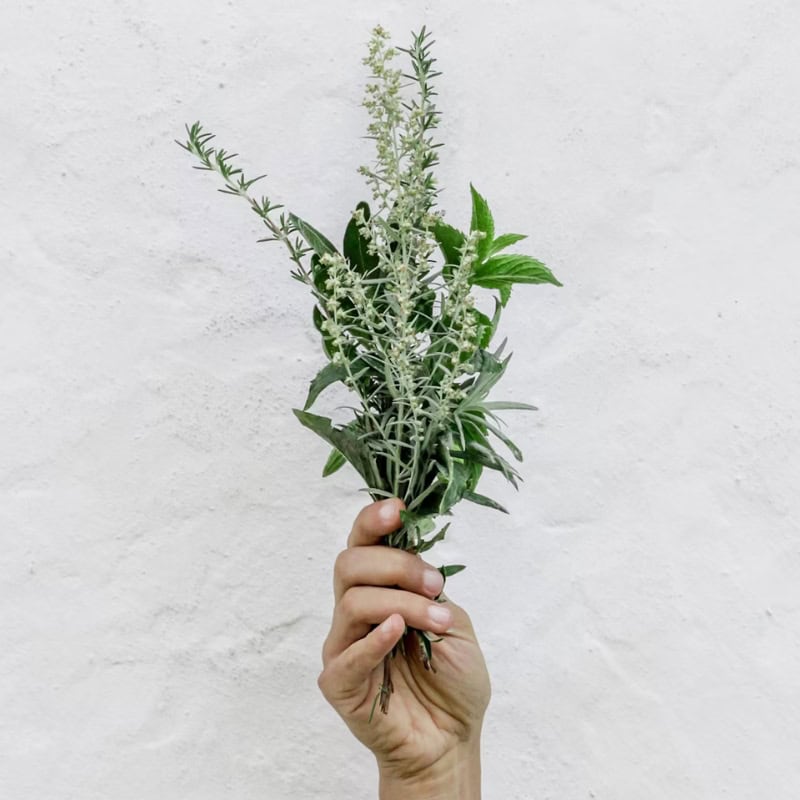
(385, 566)
(375, 521)
(348, 674)
(361, 607)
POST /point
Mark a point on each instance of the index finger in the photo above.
(375, 521)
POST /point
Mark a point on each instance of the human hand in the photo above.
(428, 745)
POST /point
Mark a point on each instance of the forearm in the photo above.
(455, 777)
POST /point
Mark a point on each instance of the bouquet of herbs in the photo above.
(397, 317)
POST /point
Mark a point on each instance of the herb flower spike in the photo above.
(398, 321)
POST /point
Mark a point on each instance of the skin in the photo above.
(428, 745)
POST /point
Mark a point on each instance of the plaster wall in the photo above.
(166, 542)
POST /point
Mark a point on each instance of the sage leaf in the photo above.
(316, 241)
(344, 440)
(330, 373)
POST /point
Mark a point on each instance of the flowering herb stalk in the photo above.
(397, 317)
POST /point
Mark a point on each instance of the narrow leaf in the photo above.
(501, 405)
(334, 462)
(451, 569)
(482, 500)
(318, 243)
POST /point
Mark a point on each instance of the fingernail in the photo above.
(387, 510)
(432, 581)
(440, 616)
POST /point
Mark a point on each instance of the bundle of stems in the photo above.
(398, 321)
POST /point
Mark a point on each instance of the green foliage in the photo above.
(399, 325)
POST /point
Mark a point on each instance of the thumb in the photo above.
(347, 676)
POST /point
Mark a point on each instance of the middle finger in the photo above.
(385, 566)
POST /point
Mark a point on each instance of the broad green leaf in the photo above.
(355, 245)
(315, 240)
(451, 242)
(499, 271)
(319, 274)
(482, 500)
(334, 462)
(481, 221)
(330, 373)
(319, 318)
(344, 440)
(485, 328)
(506, 240)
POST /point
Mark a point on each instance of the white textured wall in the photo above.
(166, 540)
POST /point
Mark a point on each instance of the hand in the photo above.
(428, 745)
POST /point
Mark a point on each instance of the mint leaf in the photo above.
(482, 220)
(506, 240)
(498, 271)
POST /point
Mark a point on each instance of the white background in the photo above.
(167, 540)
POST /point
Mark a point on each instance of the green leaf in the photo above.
(506, 240)
(451, 242)
(344, 440)
(458, 475)
(482, 500)
(500, 271)
(330, 373)
(315, 240)
(486, 455)
(428, 543)
(327, 339)
(517, 453)
(482, 220)
(334, 462)
(485, 327)
(505, 293)
(355, 246)
(451, 569)
(501, 405)
(490, 369)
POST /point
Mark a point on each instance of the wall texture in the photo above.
(167, 541)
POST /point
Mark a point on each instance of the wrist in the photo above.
(455, 776)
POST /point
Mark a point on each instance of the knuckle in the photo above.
(341, 566)
(348, 604)
(322, 682)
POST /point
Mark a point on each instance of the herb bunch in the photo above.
(397, 317)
